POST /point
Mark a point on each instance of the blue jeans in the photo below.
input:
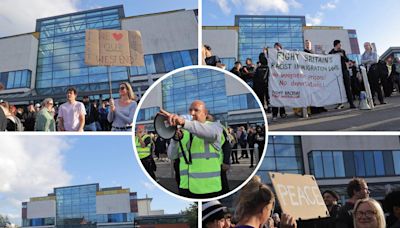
(90, 127)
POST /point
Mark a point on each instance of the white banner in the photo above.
(300, 79)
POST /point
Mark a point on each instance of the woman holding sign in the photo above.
(122, 109)
(255, 204)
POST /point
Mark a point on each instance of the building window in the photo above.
(61, 53)
(147, 113)
(396, 159)
(16, 79)
(164, 62)
(337, 164)
(120, 217)
(229, 62)
(284, 154)
(242, 102)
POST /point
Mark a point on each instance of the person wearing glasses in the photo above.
(368, 213)
(122, 109)
(44, 118)
(255, 205)
(357, 189)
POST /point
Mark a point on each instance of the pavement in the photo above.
(237, 173)
(384, 117)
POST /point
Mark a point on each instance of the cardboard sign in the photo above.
(113, 48)
(300, 79)
(299, 195)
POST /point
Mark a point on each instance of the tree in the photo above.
(191, 215)
(4, 220)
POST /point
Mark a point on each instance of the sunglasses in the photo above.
(122, 88)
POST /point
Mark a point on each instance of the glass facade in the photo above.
(76, 205)
(242, 102)
(257, 32)
(229, 62)
(61, 52)
(345, 164)
(147, 113)
(284, 154)
(165, 62)
(16, 79)
(181, 89)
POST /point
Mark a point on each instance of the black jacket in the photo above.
(3, 120)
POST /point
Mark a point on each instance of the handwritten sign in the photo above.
(299, 195)
(113, 48)
(300, 79)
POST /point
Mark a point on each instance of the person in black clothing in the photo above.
(91, 116)
(355, 83)
(3, 118)
(391, 204)
(331, 201)
(260, 140)
(281, 110)
(356, 189)
(29, 118)
(160, 146)
(260, 79)
(337, 48)
(236, 69)
(251, 140)
(248, 71)
(210, 59)
(375, 74)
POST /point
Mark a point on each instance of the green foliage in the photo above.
(191, 215)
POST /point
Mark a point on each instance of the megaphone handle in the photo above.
(184, 155)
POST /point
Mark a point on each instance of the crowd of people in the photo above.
(255, 206)
(383, 76)
(185, 150)
(73, 115)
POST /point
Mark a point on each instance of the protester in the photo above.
(331, 199)
(71, 114)
(368, 214)
(44, 118)
(29, 118)
(281, 110)
(204, 170)
(251, 140)
(103, 113)
(376, 77)
(388, 80)
(392, 206)
(356, 189)
(3, 118)
(396, 73)
(260, 80)
(210, 59)
(242, 138)
(254, 206)
(215, 215)
(122, 109)
(337, 49)
(143, 148)
(236, 69)
(260, 140)
(14, 123)
(234, 146)
(248, 71)
(91, 116)
(368, 57)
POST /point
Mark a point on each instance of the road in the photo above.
(237, 174)
(383, 118)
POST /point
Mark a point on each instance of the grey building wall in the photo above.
(160, 32)
(19, 53)
(324, 36)
(222, 40)
(41, 209)
(112, 204)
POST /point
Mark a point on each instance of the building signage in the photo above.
(299, 195)
(300, 79)
(113, 48)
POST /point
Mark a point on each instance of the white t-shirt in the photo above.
(70, 114)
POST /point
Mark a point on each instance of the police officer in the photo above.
(143, 148)
(200, 168)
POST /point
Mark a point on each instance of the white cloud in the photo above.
(258, 6)
(224, 6)
(19, 16)
(314, 20)
(30, 166)
(148, 185)
(330, 5)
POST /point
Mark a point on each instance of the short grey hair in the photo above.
(46, 100)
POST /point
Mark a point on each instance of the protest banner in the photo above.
(113, 48)
(300, 79)
(299, 195)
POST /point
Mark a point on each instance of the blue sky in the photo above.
(33, 165)
(375, 21)
(19, 16)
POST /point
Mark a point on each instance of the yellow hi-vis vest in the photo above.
(205, 170)
(183, 167)
(143, 151)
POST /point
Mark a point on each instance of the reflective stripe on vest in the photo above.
(205, 170)
(143, 151)
(183, 167)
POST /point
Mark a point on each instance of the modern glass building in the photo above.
(91, 206)
(56, 55)
(257, 32)
(335, 160)
(226, 98)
